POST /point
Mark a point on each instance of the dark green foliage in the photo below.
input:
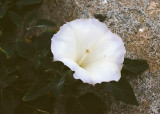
(8, 102)
(134, 66)
(40, 112)
(43, 42)
(7, 76)
(28, 2)
(100, 17)
(2, 57)
(12, 12)
(15, 18)
(3, 10)
(31, 82)
(27, 67)
(45, 83)
(85, 104)
(24, 49)
(39, 88)
(7, 44)
(24, 68)
(122, 91)
(40, 105)
(41, 23)
(44, 23)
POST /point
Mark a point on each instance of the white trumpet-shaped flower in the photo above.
(90, 49)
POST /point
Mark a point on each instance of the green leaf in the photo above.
(41, 87)
(121, 91)
(7, 42)
(6, 76)
(15, 18)
(8, 102)
(44, 23)
(25, 49)
(100, 17)
(134, 66)
(44, 84)
(3, 10)
(85, 104)
(30, 19)
(28, 2)
(8, 50)
(0, 32)
(2, 58)
(29, 73)
(43, 42)
(2, 50)
(51, 65)
(32, 16)
(38, 111)
(58, 87)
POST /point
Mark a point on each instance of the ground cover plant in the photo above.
(31, 82)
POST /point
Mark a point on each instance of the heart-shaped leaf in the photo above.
(7, 76)
(3, 10)
(43, 42)
(7, 42)
(2, 57)
(122, 91)
(8, 102)
(134, 66)
(43, 85)
(44, 23)
(15, 18)
(39, 88)
(24, 49)
(88, 103)
(38, 111)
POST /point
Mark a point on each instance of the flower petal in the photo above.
(87, 32)
(80, 73)
(90, 49)
(64, 43)
(110, 47)
(103, 71)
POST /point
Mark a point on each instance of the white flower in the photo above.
(90, 49)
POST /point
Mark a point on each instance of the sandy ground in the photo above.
(138, 24)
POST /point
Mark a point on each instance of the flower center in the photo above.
(87, 51)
